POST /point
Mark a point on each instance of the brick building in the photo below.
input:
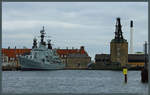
(119, 47)
(135, 61)
(10, 57)
(74, 58)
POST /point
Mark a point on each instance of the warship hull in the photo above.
(27, 64)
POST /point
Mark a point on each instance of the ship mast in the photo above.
(42, 36)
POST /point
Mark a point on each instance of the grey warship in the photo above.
(42, 57)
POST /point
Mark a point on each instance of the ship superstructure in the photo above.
(42, 57)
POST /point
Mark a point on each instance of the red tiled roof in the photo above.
(14, 52)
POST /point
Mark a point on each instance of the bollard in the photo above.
(125, 74)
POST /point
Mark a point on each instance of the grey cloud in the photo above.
(74, 24)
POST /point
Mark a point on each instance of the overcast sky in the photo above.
(74, 24)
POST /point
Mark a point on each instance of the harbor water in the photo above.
(72, 81)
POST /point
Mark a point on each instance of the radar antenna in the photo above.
(34, 43)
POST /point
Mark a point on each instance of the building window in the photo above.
(78, 65)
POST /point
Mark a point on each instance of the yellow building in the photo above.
(136, 60)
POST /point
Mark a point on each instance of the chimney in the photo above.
(82, 48)
(131, 37)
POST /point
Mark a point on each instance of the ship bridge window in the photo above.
(43, 60)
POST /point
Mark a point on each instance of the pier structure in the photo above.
(144, 71)
(119, 47)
